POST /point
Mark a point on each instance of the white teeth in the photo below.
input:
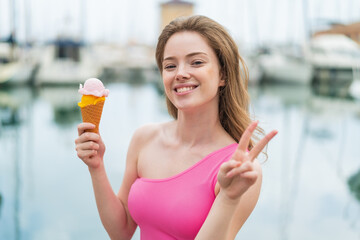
(184, 89)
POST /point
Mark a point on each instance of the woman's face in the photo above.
(191, 72)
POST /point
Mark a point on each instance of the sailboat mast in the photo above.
(12, 4)
(255, 30)
(27, 7)
(307, 32)
(82, 20)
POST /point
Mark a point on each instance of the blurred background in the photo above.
(304, 63)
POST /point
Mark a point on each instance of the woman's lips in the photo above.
(184, 89)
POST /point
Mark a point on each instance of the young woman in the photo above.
(197, 176)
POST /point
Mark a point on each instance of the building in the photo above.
(352, 31)
(173, 9)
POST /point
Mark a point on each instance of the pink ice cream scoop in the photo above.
(95, 87)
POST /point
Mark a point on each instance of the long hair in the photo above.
(233, 97)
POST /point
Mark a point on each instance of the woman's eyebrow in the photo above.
(195, 53)
(189, 55)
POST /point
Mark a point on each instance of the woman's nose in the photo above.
(182, 73)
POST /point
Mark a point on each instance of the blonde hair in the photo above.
(233, 97)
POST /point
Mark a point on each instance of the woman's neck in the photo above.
(200, 126)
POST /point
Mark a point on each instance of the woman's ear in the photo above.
(222, 79)
(222, 83)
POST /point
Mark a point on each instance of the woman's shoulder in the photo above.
(141, 137)
(149, 131)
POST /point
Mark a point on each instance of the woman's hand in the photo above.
(89, 146)
(239, 173)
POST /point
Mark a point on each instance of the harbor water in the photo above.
(311, 178)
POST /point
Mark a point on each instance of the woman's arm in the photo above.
(246, 204)
(112, 208)
(240, 182)
(227, 216)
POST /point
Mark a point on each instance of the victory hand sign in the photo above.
(238, 174)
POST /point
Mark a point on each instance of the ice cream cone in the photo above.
(92, 101)
(92, 114)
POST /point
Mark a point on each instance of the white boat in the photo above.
(132, 62)
(17, 65)
(285, 67)
(332, 57)
(354, 89)
(66, 62)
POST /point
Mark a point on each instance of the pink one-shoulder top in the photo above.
(176, 207)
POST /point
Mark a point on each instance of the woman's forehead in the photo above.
(186, 43)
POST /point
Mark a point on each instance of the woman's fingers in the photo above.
(82, 127)
(228, 166)
(242, 168)
(87, 136)
(241, 152)
(250, 175)
(261, 144)
(246, 136)
(84, 154)
(89, 145)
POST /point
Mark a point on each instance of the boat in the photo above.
(17, 65)
(332, 57)
(66, 62)
(279, 67)
(284, 66)
(354, 89)
(133, 62)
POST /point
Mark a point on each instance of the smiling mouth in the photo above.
(184, 89)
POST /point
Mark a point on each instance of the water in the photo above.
(46, 190)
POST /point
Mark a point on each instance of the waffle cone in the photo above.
(92, 114)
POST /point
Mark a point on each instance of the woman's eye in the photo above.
(198, 62)
(169, 66)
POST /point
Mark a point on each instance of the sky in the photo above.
(251, 22)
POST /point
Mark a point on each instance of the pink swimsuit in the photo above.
(176, 207)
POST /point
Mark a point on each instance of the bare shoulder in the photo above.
(147, 132)
(146, 135)
(139, 140)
